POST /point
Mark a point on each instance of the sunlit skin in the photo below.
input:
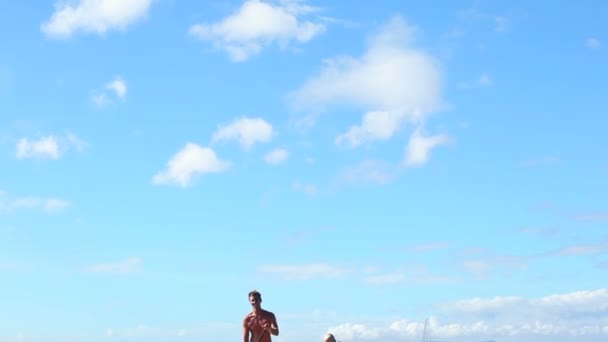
(259, 324)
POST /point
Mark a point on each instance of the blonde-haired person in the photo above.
(329, 338)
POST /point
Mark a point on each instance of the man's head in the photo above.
(329, 338)
(255, 299)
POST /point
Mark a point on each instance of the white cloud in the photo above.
(575, 316)
(115, 89)
(247, 131)
(419, 147)
(304, 271)
(53, 205)
(593, 43)
(48, 147)
(123, 267)
(378, 125)
(394, 82)
(276, 156)
(257, 24)
(119, 87)
(45, 147)
(47, 205)
(94, 16)
(191, 160)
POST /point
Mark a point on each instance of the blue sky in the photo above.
(363, 165)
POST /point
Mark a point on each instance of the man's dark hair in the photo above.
(256, 294)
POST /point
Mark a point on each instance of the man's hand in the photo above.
(268, 327)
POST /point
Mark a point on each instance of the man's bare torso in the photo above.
(254, 323)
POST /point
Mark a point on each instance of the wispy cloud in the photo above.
(502, 23)
(484, 80)
(123, 267)
(247, 131)
(93, 16)
(368, 171)
(190, 161)
(258, 24)
(579, 249)
(276, 156)
(482, 263)
(539, 231)
(47, 205)
(411, 274)
(307, 188)
(546, 160)
(597, 216)
(115, 89)
(428, 247)
(386, 279)
(593, 43)
(303, 271)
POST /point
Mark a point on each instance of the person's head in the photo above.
(329, 338)
(255, 299)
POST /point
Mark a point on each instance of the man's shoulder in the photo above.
(247, 316)
(268, 313)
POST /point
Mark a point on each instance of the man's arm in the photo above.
(274, 327)
(245, 333)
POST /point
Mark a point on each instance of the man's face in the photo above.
(255, 301)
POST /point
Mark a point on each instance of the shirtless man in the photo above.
(259, 324)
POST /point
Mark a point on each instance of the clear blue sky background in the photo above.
(365, 165)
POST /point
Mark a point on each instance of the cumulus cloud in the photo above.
(93, 16)
(190, 161)
(276, 156)
(303, 271)
(581, 315)
(48, 147)
(123, 267)
(247, 131)
(393, 81)
(419, 148)
(258, 24)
